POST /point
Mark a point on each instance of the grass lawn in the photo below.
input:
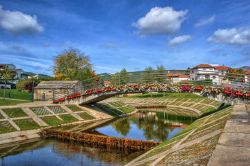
(68, 118)
(6, 127)
(4, 102)
(85, 116)
(52, 120)
(15, 94)
(167, 95)
(74, 108)
(26, 124)
(14, 112)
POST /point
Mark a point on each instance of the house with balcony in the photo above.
(215, 73)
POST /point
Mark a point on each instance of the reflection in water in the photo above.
(58, 153)
(142, 126)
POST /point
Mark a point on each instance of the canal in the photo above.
(141, 126)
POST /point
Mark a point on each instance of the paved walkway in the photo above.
(233, 148)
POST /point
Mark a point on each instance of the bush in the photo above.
(26, 85)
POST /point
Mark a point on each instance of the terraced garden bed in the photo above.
(52, 120)
(40, 111)
(57, 109)
(121, 106)
(108, 109)
(68, 118)
(74, 108)
(14, 112)
(85, 116)
(6, 127)
(26, 124)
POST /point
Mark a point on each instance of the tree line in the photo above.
(149, 75)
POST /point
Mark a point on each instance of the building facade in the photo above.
(177, 77)
(215, 73)
(50, 90)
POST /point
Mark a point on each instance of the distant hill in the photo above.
(245, 67)
(105, 76)
(135, 76)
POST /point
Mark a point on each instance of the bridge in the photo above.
(93, 95)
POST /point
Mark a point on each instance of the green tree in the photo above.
(73, 65)
(123, 76)
(6, 75)
(115, 79)
(148, 75)
(160, 74)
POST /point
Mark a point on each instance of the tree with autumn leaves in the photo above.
(73, 65)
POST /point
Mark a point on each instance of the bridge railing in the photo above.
(144, 88)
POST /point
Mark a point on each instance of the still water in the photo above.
(143, 126)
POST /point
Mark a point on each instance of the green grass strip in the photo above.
(74, 108)
(52, 120)
(68, 118)
(26, 124)
(14, 112)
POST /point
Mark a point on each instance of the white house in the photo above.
(247, 77)
(19, 73)
(176, 78)
(215, 73)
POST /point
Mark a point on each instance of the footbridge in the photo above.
(93, 95)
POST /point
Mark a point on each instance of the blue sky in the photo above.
(125, 33)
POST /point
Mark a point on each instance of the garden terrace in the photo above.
(14, 118)
(116, 108)
(175, 103)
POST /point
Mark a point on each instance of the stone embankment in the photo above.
(193, 146)
(233, 148)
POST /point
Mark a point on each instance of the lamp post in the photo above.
(32, 99)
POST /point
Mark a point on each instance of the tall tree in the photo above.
(115, 79)
(123, 76)
(73, 65)
(148, 75)
(160, 74)
(6, 75)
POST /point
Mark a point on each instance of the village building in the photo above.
(50, 90)
(176, 77)
(215, 73)
(247, 77)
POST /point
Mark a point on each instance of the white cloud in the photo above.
(179, 39)
(18, 22)
(160, 21)
(206, 21)
(231, 36)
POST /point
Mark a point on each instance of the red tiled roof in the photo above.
(203, 66)
(183, 76)
(177, 75)
(224, 68)
(247, 72)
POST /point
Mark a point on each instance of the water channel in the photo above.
(142, 126)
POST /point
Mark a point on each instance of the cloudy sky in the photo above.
(125, 33)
